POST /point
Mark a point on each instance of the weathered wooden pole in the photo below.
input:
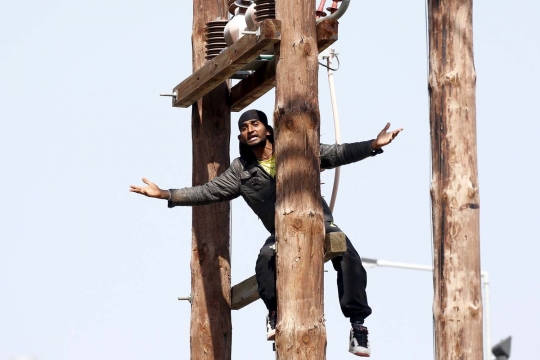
(210, 336)
(301, 332)
(457, 306)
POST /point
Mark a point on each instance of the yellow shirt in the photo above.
(269, 165)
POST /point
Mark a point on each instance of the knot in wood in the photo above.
(307, 49)
(306, 339)
(289, 124)
(203, 248)
(298, 224)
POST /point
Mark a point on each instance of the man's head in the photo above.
(254, 132)
(254, 128)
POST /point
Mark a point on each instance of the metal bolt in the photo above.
(174, 95)
(257, 32)
(187, 298)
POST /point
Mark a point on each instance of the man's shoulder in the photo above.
(238, 165)
(237, 161)
(242, 164)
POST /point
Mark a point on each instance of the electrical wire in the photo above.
(328, 67)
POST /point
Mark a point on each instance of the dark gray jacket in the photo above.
(258, 188)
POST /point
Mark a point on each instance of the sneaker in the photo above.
(358, 341)
(271, 326)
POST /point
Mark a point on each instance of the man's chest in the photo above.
(258, 185)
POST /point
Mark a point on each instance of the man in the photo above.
(252, 176)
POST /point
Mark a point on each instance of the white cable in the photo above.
(336, 124)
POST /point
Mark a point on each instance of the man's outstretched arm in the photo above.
(222, 188)
(342, 154)
(151, 190)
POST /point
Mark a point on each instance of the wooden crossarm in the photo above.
(264, 79)
(254, 86)
(246, 292)
(327, 34)
(227, 63)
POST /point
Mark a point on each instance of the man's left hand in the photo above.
(384, 138)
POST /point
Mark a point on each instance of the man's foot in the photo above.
(358, 341)
(271, 325)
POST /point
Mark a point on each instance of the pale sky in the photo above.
(91, 271)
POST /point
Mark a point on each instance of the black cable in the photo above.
(326, 66)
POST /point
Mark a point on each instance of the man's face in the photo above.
(253, 133)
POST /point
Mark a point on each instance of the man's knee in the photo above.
(266, 254)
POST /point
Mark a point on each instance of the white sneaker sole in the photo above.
(361, 353)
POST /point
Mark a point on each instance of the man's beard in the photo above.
(260, 144)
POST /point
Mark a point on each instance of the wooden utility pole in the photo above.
(210, 337)
(457, 306)
(301, 332)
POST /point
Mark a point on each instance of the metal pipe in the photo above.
(382, 263)
(337, 129)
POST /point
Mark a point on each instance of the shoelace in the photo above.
(360, 333)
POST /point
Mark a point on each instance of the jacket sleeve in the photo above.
(225, 187)
(336, 155)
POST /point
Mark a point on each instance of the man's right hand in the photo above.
(152, 190)
(384, 138)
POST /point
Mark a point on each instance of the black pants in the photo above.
(351, 279)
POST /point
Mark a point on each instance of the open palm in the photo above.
(151, 190)
(385, 137)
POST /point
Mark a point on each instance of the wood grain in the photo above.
(457, 306)
(301, 330)
(211, 330)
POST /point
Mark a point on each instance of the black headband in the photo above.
(253, 115)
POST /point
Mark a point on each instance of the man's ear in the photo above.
(268, 133)
(239, 139)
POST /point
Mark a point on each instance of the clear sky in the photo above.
(91, 271)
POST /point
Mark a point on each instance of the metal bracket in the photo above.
(328, 53)
(242, 74)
